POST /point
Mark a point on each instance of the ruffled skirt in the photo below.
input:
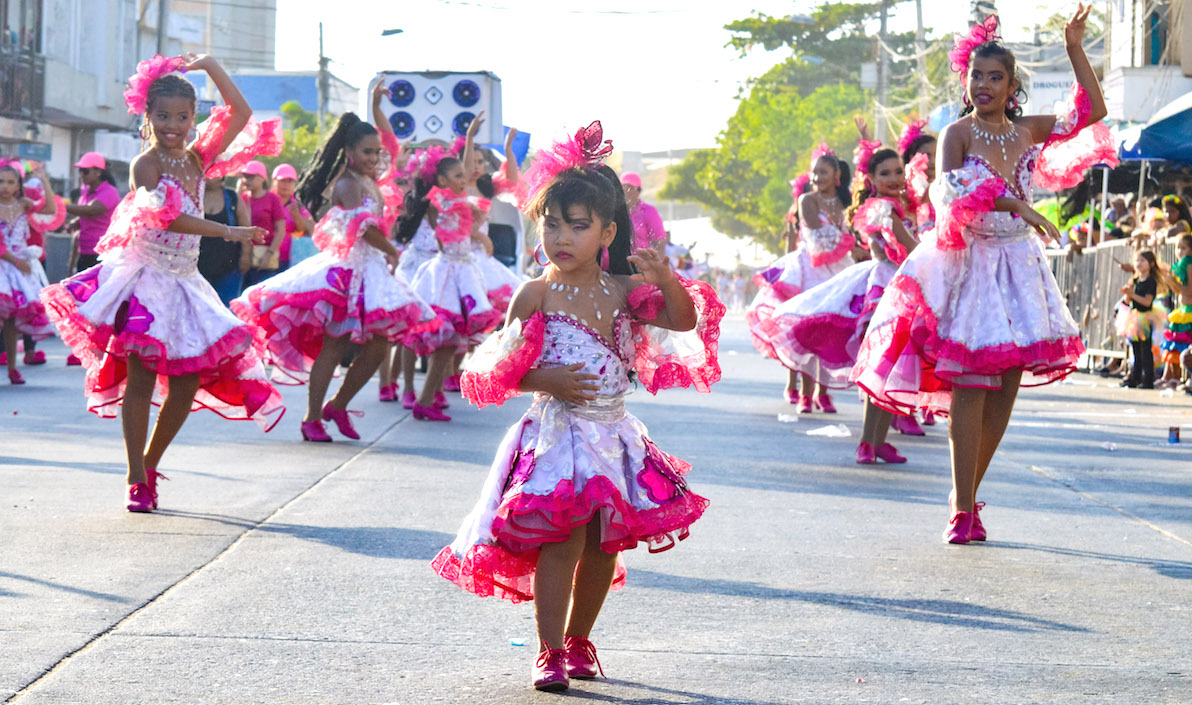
(964, 318)
(555, 471)
(1178, 335)
(325, 295)
(786, 278)
(19, 299)
(175, 323)
(1134, 325)
(499, 281)
(455, 288)
(818, 332)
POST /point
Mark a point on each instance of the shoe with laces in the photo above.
(342, 419)
(804, 404)
(441, 401)
(140, 498)
(151, 478)
(388, 392)
(550, 670)
(907, 425)
(824, 403)
(314, 431)
(581, 658)
(14, 377)
(889, 454)
(865, 454)
(960, 528)
(429, 413)
(978, 531)
(408, 399)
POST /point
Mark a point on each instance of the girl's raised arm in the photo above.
(470, 143)
(240, 109)
(511, 169)
(382, 122)
(1073, 41)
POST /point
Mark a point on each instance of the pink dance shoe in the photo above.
(441, 401)
(824, 403)
(865, 454)
(550, 670)
(960, 528)
(581, 658)
(35, 357)
(791, 396)
(429, 413)
(314, 431)
(3, 358)
(978, 530)
(151, 478)
(388, 392)
(889, 454)
(804, 404)
(140, 498)
(928, 418)
(342, 419)
(451, 384)
(14, 377)
(408, 400)
(907, 425)
(73, 360)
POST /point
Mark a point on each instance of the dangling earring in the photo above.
(351, 163)
(144, 131)
(604, 257)
(1012, 104)
(538, 251)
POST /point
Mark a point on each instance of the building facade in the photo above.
(1149, 60)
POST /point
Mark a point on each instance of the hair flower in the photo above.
(912, 132)
(587, 148)
(864, 153)
(821, 150)
(962, 51)
(137, 94)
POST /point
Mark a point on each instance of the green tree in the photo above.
(302, 138)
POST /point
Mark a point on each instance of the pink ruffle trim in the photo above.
(223, 388)
(142, 210)
(257, 138)
(949, 229)
(533, 520)
(823, 339)
(30, 316)
(500, 384)
(455, 215)
(326, 240)
(845, 246)
(1069, 152)
(662, 367)
(518, 189)
(905, 365)
(870, 217)
(47, 223)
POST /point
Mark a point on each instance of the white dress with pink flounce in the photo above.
(978, 298)
(147, 298)
(561, 464)
(19, 291)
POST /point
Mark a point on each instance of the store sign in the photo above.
(36, 151)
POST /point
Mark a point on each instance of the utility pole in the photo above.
(883, 77)
(921, 52)
(322, 84)
(161, 27)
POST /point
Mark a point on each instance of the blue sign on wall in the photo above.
(36, 151)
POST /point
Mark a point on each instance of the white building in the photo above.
(1150, 56)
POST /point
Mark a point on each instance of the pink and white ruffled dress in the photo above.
(147, 298)
(452, 283)
(823, 253)
(19, 292)
(499, 280)
(560, 465)
(421, 249)
(818, 332)
(978, 298)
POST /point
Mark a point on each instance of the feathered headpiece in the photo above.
(587, 148)
(799, 184)
(912, 132)
(962, 51)
(136, 96)
(457, 146)
(822, 150)
(424, 163)
(864, 153)
(15, 164)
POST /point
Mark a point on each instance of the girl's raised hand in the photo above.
(474, 126)
(1075, 27)
(652, 267)
(198, 62)
(509, 139)
(380, 90)
(863, 128)
(403, 157)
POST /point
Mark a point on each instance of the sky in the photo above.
(655, 72)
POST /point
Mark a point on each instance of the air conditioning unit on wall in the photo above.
(439, 105)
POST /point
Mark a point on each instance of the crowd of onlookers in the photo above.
(1146, 226)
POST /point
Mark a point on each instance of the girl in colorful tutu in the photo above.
(314, 311)
(977, 305)
(824, 250)
(452, 283)
(21, 273)
(143, 321)
(1140, 317)
(1178, 336)
(577, 479)
(819, 331)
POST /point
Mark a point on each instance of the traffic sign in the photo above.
(36, 151)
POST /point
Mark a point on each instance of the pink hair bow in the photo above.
(14, 164)
(424, 164)
(800, 182)
(864, 153)
(822, 150)
(136, 96)
(962, 51)
(587, 148)
(912, 132)
(457, 146)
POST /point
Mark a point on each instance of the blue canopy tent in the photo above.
(1168, 134)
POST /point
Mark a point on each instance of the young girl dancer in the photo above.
(144, 321)
(577, 480)
(823, 251)
(21, 273)
(452, 284)
(979, 306)
(819, 331)
(345, 294)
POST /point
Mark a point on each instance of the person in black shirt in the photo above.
(222, 262)
(1140, 293)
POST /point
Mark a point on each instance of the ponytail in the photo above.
(329, 160)
(619, 250)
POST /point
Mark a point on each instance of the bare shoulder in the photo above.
(1039, 127)
(527, 299)
(348, 192)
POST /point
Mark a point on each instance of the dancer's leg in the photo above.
(134, 416)
(592, 581)
(320, 374)
(964, 435)
(409, 359)
(10, 342)
(440, 363)
(876, 424)
(995, 418)
(553, 578)
(174, 412)
(360, 371)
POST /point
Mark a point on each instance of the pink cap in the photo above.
(284, 171)
(255, 168)
(92, 160)
(631, 179)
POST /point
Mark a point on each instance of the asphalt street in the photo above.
(286, 572)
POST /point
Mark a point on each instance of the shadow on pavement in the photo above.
(688, 698)
(1181, 570)
(107, 597)
(949, 612)
(104, 468)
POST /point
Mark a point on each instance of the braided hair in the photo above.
(327, 162)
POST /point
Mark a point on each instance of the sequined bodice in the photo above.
(568, 341)
(174, 252)
(16, 234)
(1002, 223)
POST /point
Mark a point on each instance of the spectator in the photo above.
(298, 221)
(97, 199)
(648, 230)
(267, 214)
(1179, 220)
(223, 262)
